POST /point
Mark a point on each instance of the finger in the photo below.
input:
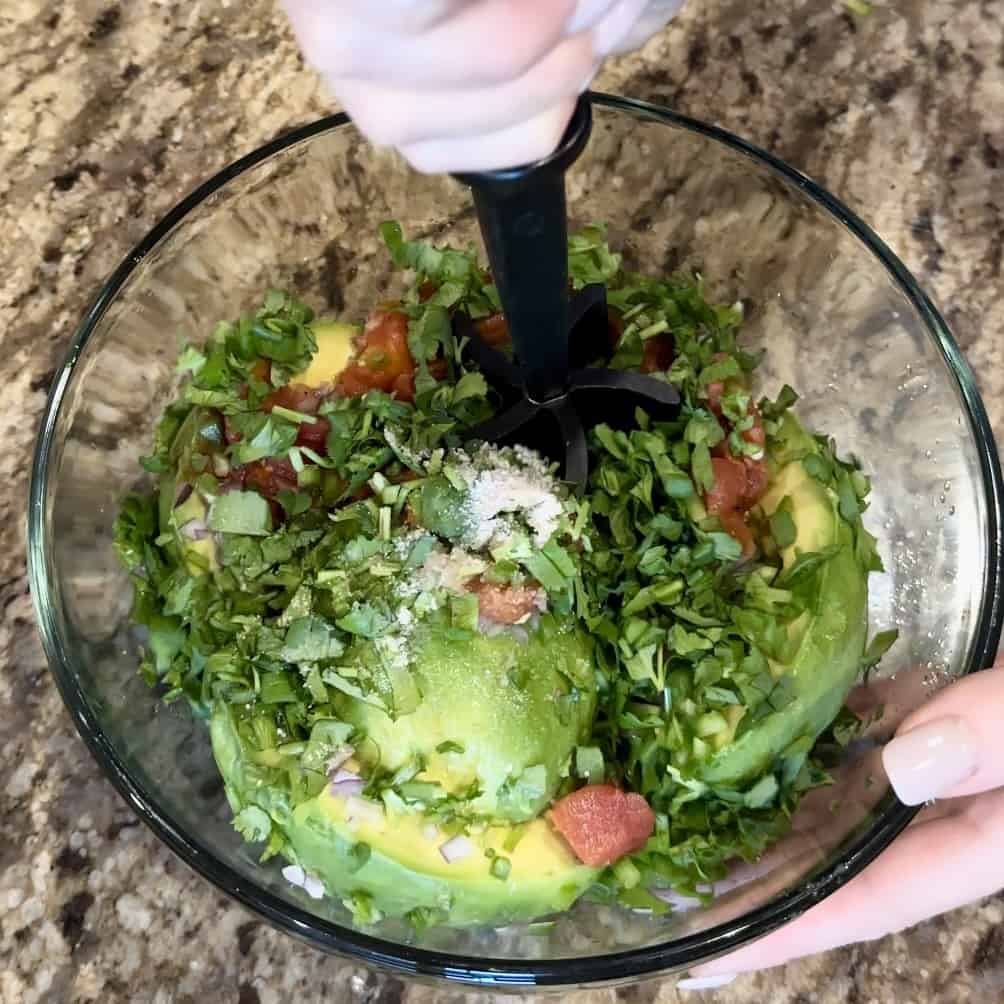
(387, 115)
(930, 869)
(395, 15)
(520, 144)
(486, 42)
(652, 20)
(587, 13)
(399, 15)
(611, 30)
(953, 745)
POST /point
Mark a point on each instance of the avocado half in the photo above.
(511, 713)
(829, 642)
(501, 713)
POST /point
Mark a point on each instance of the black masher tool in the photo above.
(552, 391)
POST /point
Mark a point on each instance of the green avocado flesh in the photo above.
(494, 711)
(829, 640)
(358, 849)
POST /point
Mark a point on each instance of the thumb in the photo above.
(953, 745)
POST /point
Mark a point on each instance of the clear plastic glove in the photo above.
(950, 750)
(467, 85)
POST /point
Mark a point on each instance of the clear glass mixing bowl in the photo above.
(841, 320)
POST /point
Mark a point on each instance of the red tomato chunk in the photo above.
(602, 823)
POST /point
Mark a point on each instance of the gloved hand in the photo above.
(467, 85)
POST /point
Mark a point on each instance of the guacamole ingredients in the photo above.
(456, 849)
(602, 824)
(382, 359)
(448, 690)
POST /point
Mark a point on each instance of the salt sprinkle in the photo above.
(413, 458)
(449, 570)
(508, 481)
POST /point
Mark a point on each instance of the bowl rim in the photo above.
(504, 974)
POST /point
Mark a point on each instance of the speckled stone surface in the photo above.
(110, 112)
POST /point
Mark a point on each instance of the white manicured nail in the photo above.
(586, 14)
(930, 760)
(705, 982)
(615, 25)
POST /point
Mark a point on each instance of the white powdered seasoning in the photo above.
(503, 482)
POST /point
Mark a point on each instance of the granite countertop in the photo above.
(111, 111)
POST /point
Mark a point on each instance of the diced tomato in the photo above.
(235, 481)
(502, 604)
(260, 371)
(493, 330)
(269, 477)
(602, 823)
(295, 397)
(659, 351)
(404, 387)
(314, 435)
(729, 489)
(756, 480)
(739, 485)
(735, 525)
(405, 476)
(382, 359)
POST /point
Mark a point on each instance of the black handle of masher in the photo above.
(524, 224)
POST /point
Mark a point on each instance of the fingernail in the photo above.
(930, 760)
(586, 14)
(705, 982)
(615, 26)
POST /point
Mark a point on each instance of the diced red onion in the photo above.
(456, 849)
(346, 784)
(676, 900)
(195, 529)
(341, 755)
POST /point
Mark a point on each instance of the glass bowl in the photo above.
(841, 320)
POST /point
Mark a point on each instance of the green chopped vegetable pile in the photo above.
(272, 591)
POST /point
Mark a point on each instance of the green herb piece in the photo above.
(244, 513)
(500, 867)
(589, 764)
